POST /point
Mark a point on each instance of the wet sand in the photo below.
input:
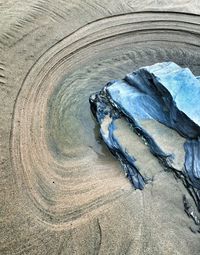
(61, 190)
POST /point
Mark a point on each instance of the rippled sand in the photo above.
(61, 190)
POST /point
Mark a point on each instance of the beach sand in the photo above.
(62, 192)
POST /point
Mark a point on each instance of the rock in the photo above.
(160, 103)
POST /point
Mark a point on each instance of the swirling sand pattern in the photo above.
(61, 190)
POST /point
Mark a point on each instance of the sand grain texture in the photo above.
(61, 191)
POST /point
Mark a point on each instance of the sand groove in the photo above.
(29, 138)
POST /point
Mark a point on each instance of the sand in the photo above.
(61, 190)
